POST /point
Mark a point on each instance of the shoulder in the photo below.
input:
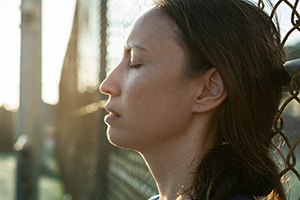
(156, 197)
(242, 197)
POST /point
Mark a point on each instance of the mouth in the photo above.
(111, 111)
(112, 114)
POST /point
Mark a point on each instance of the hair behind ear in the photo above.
(244, 46)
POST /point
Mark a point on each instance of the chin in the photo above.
(119, 140)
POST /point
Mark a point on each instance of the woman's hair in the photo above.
(243, 44)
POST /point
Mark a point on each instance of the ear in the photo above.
(211, 94)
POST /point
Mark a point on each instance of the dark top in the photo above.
(238, 197)
(242, 197)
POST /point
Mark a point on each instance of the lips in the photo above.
(110, 110)
(112, 114)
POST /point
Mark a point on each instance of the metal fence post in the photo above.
(28, 118)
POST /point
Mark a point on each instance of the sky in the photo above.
(57, 25)
(9, 52)
(57, 21)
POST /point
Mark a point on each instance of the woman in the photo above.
(196, 92)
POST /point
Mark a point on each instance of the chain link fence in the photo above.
(91, 168)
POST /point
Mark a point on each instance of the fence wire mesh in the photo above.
(92, 168)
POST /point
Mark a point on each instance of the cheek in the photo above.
(147, 96)
(153, 94)
(157, 114)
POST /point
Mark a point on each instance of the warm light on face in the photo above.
(56, 32)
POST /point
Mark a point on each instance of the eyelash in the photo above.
(134, 66)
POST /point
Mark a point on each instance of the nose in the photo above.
(111, 85)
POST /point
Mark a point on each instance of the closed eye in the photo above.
(134, 66)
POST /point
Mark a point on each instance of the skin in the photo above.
(155, 109)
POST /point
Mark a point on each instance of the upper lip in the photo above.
(110, 110)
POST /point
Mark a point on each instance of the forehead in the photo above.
(150, 29)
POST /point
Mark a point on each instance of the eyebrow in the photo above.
(129, 48)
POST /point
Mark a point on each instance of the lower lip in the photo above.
(110, 117)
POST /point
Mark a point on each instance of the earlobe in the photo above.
(211, 94)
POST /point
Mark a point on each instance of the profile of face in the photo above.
(149, 96)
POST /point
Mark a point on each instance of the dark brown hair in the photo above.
(243, 44)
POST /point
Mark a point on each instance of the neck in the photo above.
(173, 163)
(172, 177)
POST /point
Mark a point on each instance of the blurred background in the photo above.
(53, 56)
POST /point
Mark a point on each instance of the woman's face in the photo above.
(149, 97)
